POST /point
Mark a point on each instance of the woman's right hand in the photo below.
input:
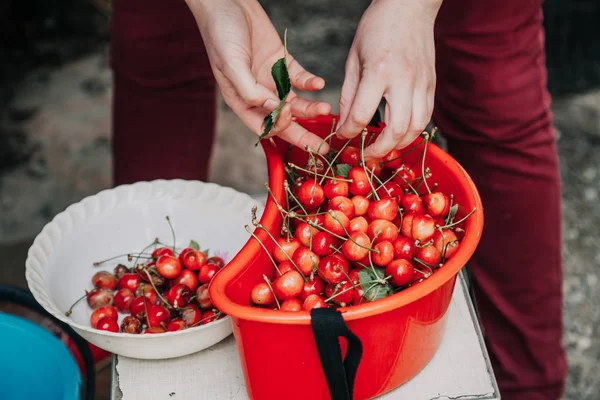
(242, 46)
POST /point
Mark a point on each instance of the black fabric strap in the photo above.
(328, 325)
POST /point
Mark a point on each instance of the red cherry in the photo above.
(148, 292)
(358, 224)
(179, 295)
(412, 203)
(360, 182)
(392, 160)
(139, 307)
(311, 194)
(261, 294)
(288, 285)
(285, 267)
(344, 294)
(305, 233)
(203, 297)
(430, 255)
(208, 317)
(335, 187)
(423, 227)
(437, 204)
(333, 268)
(381, 230)
(191, 315)
(108, 324)
(385, 255)
(390, 190)
(216, 260)
(176, 325)
(361, 205)
(131, 325)
(447, 244)
(336, 222)
(342, 204)
(194, 260)
(354, 277)
(402, 272)
(314, 286)
(349, 155)
(285, 247)
(120, 270)
(104, 280)
(314, 301)
(159, 251)
(168, 266)
(383, 209)
(144, 270)
(100, 297)
(357, 247)
(155, 329)
(130, 281)
(306, 260)
(322, 243)
(207, 273)
(406, 227)
(402, 175)
(404, 248)
(187, 278)
(183, 253)
(123, 299)
(291, 305)
(103, 312)
(158, 316)
(374, 166)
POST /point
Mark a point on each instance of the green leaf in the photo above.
(452, 214)
(379, 292)
(343, 169)
(373, 290)
(206, 252)
(281, 76)
(194, 245)
(365, 278)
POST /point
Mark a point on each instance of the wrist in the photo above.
(429, 7)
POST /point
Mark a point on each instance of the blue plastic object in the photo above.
(34, 363)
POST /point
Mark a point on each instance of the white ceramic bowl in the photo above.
(123, 220)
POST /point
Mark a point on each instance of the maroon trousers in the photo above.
(491, 104)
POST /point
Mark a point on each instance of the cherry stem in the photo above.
(155, 289)
(348, 233)
(146, 309)
(382, 185)
(272, 291)
(445, 247)
(264, 248)
(330, 165)
(346, 274)
(370, 260)
(70, 310)
(173, 233)
(283, 251)
(128, 255)
(328, 137)
(291, 194)
(216, 316)
(423, 173)
(146, 248)
(284, 215)
(425, 275)
(362, 158)
(292, 165)
(460, 220)
(415, 191)
(423, 263)
(449, 216)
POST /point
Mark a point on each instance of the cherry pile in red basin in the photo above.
(357, 230)
(163, 289)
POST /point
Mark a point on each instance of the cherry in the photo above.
(358, 224)
(168, 266)
(104, 280)
(120, 270)
(430, 255)
(102, 312)
(208, 317)
(216, 260)
(402, 272)
(261, 294)
(131, 325)
(314, 301)
(390, 189)
(176, 325)
(194, 260)
(285, 247)
(406, 227)
(158, 316)
(207, 272)
(344, 293)
(402, 175)
(385, 255)
(130, 281)
(422, 228)
(305, 233)
(179, 295)
(306, 260)
(392, 160)
(381, 230)
(291, 305)
(354, 277)
(333, 268)
(159, 251)
(156, 278)
(314, 286)
(336, 222)
(183, 253)
(383, 209)
(285, 267)
(108, 324)
(123, 299)
(148, 292)
(374, 166)
(100, 297)
(342, 204)
(361, 205)
(404, 248)
(288, 285)
(412, 203)
(357, 247)
(360, 182)
(446, 242)
(311, 194)
(139, 307)
(335, 187)
(191, 315)
(349, 155)
(188, 278)
(437, 204)
(322, 242)
(203, 297)
(155, 329)
(315, 165)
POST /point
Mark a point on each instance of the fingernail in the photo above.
(270, 104)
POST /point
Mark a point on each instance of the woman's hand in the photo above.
(393, 57)
(242, 46)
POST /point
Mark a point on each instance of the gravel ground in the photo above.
(55, 149)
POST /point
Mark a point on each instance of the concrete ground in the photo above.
(57, 129)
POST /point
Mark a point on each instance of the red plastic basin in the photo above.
(400, 333)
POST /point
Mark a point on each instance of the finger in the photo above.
(283, 120)
(248, 89)
(349, 86)
(301, 79)
(304, 108)
(299, 136)
(420, 116)
(368, 96)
